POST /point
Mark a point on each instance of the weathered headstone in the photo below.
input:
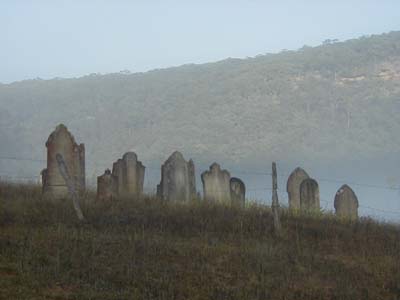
(216, 184)
(129, 175)
(309, 195)
(117, 172)
(346, 203)
(106, 186)
(178, 182)
(62, 142)
(238, 192)
(293, 187)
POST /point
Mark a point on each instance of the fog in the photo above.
(253, 107)
(376, 185)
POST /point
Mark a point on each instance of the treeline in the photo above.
(332, 102)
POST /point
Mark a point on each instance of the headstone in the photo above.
(117, 172)
(238, 192)
(346, 203)
(106, 186)
(62, 142)
(178, 181)
(309, 195)
(293, 187)
(216, 184)
(129, 175)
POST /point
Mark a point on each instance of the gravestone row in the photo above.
(125, 180)
(177, 180)
(303, 193)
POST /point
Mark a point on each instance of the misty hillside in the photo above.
(326, 103)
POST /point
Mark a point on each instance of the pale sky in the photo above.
(73, 38)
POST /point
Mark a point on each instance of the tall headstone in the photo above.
(216, 184)
(238, 192)
(309, 195)
(117, 172)
(293, 187)
(62, 142)
(129, 175)
(106, 186)
(346, 203)
(178, 182)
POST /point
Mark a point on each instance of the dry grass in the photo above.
(147, 249)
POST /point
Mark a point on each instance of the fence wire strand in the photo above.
(252, 173)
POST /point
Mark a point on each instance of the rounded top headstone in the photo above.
(309, 194)
(298, 175)
(130, 156)
(238, 182)
(309, 182)
(344, 193)
(293, 187)
(176, 156)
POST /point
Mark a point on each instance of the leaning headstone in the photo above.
(62, 142)
(293, 187)
(216, 184)
(178, 181)
(238, 192)
(129, 174)
(106, 186)
(309, 195)
(346, 203)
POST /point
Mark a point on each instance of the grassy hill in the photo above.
(153, 250)
(328, 103)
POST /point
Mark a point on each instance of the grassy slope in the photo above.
(152, 250)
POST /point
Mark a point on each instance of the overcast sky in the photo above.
(70, 38)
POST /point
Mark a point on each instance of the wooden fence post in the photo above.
(70, 185)
(275, 201)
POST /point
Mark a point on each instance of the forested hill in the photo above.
(328, 103)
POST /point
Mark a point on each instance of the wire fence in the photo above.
(37, 179)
